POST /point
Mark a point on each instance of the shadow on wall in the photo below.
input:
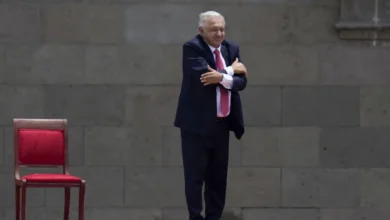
(230, 216)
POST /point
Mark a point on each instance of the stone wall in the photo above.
(316, 107)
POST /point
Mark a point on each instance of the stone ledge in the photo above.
(364, 20)
(363, 30)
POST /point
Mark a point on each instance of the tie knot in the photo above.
(216, 51)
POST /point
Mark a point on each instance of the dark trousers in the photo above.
(205, 159)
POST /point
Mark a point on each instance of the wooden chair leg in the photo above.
(81, 200)
(67, 203)
(17, 202)
(23, 205)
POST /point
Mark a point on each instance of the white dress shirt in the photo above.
(227, 82)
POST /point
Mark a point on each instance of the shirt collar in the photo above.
(213, 48)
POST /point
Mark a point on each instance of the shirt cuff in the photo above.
(229, 70)
(227, 81)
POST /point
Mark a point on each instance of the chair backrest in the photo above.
(41, 142)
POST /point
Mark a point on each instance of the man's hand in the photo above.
(211, 77)
(239, 68)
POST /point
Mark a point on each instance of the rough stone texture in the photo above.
(321, 106)
(268, 110)
(21, 101)
(2, 63)
(85, 105)
(20, 23)
(281, 214)
(355, 147)
(316, 107)
(281, 65)
(354, 64)
(320, 187)
(374, 106)
(278, 147)
(45, 64)
(262, 187)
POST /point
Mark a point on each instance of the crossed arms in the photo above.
(233, 77)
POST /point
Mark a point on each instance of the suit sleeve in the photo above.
(193, 63)
(239, 80)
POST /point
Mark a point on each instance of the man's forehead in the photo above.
(215, 21)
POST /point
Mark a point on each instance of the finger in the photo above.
(236, 60)
(206, 74)
(209, 68)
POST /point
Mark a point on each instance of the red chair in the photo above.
(43, 143)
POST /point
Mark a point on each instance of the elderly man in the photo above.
(209, 107)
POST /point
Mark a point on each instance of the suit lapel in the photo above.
(209, 54)
(225, 55)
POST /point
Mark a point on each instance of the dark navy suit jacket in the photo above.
(197, 108)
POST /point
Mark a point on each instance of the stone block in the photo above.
(232, 214)
(117, 213)
(105, 187)
(86, 105)
(153, 65)
(366, 147)
(374, 106)
(134, 64)
(105, 65)
(21, 102)
(40, 1)
(280, 214)
(155, 187)
(124, 213)
(312, 25)
(2, 147)
(308, 187)
(108, 146)
(147, 108)
(281, 64)
(321, 106)
(20, 23)
(354, 64)
(147, 149)
(34, 196)
(75, 151)
(253, 187)
(66, 23)
(294, 2)
(271, 20)
(41, 213)
(2, 64)
(45, 64)
(262, 106)
(76, 146)
(355, 213)
(174, 214)
(280, 23)
(357, 10)
(374, 188)
(172, 155)
(370, 17)
(105, 24)
(164, 22)
(281, 147)
(151, 105)
(235, 151)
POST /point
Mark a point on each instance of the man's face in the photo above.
(213, 31)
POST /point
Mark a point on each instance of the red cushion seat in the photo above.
(51, 178)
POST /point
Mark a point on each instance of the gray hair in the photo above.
(206, 15)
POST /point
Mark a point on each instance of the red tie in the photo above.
(224, 92)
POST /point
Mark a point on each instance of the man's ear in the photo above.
(200, 30)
